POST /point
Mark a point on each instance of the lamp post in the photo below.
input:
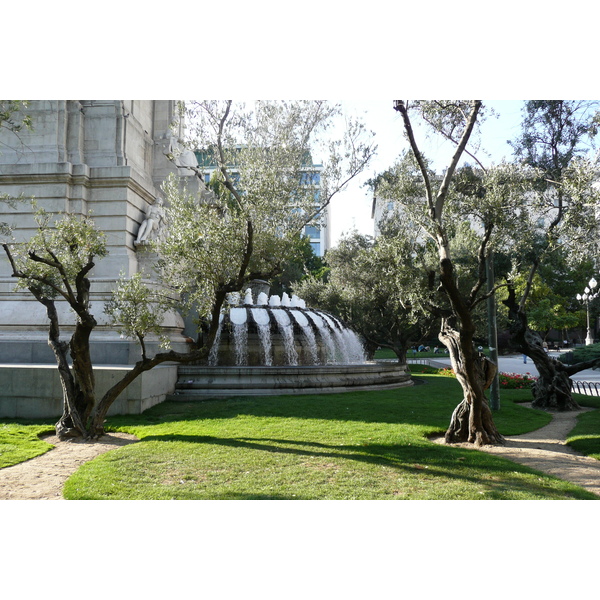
(587, 297)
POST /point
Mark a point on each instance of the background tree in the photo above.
(556, 136)
(301, 265)
(370, 286)
(253, 224)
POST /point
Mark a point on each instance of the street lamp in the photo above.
(587, 297)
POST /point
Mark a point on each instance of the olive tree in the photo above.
(55, 266)
(555, 140)
(440, 205)
(248, 220)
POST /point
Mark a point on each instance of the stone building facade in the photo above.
(104, 157)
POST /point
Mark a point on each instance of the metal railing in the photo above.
(431, 362)
(587, 388)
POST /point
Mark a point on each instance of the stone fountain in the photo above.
(276, 345)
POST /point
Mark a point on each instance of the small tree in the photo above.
(54, 265)
(249, 221)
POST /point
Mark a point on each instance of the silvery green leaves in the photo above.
(265, 190)
(56, 258)
(137, 309)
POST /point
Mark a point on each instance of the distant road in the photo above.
(515, 364)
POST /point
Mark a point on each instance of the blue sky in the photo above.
(352, 208)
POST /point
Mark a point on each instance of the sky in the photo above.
(351, 209)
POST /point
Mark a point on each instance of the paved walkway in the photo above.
(515, 364)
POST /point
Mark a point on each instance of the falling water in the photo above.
(213, 354)
(287, 333)
(325, 336)
(356, 350)
(334, 344)
(261, 317)
(240, 340)
(311, 342)
(339, 340)
(239, 318)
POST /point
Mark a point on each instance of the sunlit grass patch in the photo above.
(363, 445)
(20, 442)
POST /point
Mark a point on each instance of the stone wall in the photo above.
(34, 392)
(104, 157)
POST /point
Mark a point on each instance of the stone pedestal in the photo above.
(106, 158)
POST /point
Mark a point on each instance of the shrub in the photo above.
(448, 372)
(516, 381)
(508, 381)
(580, 354)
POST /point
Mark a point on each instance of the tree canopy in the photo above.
(249, 220)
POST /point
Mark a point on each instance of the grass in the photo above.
(585, 436)
(19, 441)
(363, 445)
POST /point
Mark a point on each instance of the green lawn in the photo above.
(585, 437)
(363, 445)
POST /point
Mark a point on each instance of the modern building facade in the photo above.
(318, 234)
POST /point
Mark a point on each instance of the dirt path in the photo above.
(545, 450)
(43, 477)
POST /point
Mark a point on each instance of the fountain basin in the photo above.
(205, 382)
(272, 346)
(265, 335)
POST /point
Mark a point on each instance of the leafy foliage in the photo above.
(249, 223)
(582, 354)
(13, 115)
(136, 309)
(371, 284)
(58, 255)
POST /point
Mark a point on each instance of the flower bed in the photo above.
(516, 381)
(508, 381)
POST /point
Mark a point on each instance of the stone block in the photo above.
(35, 392)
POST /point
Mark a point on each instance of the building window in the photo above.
(312, 232)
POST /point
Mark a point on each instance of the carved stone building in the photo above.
(104, 157)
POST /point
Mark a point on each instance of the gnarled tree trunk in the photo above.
(71, 423)
(472, 419)
(552, 390)
(78, 408)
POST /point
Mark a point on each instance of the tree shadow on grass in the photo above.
(496, 476)
(432, 405)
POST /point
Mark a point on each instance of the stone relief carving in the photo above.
(151, 226)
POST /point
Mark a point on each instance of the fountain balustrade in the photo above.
(278, 331)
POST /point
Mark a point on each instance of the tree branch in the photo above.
(441, 197)
(401, 108)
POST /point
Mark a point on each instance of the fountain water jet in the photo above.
(279, 346)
